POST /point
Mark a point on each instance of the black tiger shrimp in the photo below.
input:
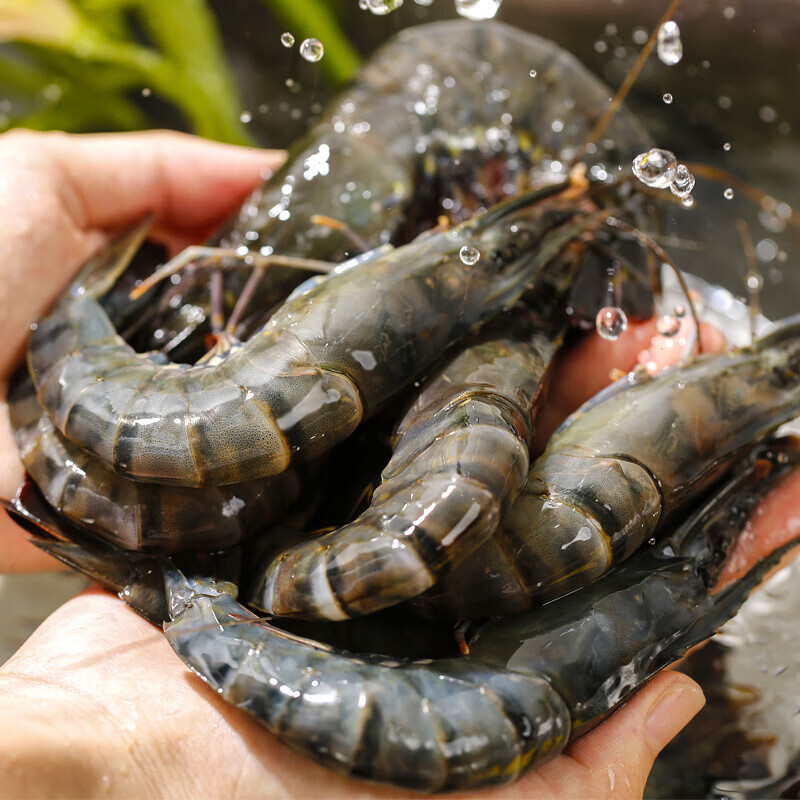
(528, 685)
(123, 432)
(620, 468)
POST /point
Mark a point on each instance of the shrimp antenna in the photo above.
(649, 242)
(627, 84)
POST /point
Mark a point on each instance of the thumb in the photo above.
(615, 758)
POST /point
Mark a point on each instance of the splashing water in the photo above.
(312, 50)
(477, 9)
(670, 46)
(611, 322)
(668, 325)
(656, 168)
(382, 7)
(469, 255)
(684, 182)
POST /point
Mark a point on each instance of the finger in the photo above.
(586, 367)
(615, 758)
(775, 522)
(109, 180)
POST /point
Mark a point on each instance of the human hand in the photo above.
(96, 702)
(60, 199)
(101, 693)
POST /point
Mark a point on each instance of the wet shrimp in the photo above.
(528, 685)
(444, 120)
(619, 469)
(304, 381)
(460, 459)
(132, 514)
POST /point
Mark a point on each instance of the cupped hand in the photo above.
(61, 197)
(96, 703)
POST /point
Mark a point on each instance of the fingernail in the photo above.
(672, 711)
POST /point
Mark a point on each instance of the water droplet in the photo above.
(469, 255)
(533, 73)
(667, 98)
(383, 7)
(640, 36)
(651, 541)
(312, 50)
(726, 147)
(423, 2)
(679, 311)
(767, 114)
(477, 9)
(287, 40)
(684, 181)
(611, 322)
(656, 168)
(766, 250)
(668, 325)
(688, 201)
(728, 193)
(729, 12)
(245, 117)
(754, 281)
(670, 47)
(147, 91)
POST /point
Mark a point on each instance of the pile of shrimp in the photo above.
(455, 239)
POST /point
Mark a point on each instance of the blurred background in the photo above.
(218, 68)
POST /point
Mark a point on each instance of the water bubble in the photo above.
(668, 325)
(767, 114)
(679, 311)
(667, 98)
(684, 181)
(726, 147)
(670, 47)
(533, 73)
(245, 117)
(728, 193)
(754, 281)
(640, 36)
(729, 12)
(766, 250)
(287, 40)
(611, 322)
(656, 168)
(724, 102)
(312, 50)
(477, 9)
(600, 46)
(469, 255)
(382, 7)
